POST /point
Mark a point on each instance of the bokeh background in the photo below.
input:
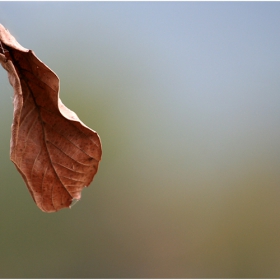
(186, 99)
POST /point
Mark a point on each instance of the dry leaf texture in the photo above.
(56, 154)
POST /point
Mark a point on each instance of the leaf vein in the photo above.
(67, 167)
(67, 154)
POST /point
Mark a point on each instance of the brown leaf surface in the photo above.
(56, 154)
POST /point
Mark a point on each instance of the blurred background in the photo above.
(186, 99)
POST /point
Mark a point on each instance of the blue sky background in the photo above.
(186, 99)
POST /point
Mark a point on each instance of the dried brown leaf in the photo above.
(56, 154)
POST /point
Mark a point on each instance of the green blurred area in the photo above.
(189, 182)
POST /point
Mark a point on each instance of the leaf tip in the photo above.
(74, 201)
